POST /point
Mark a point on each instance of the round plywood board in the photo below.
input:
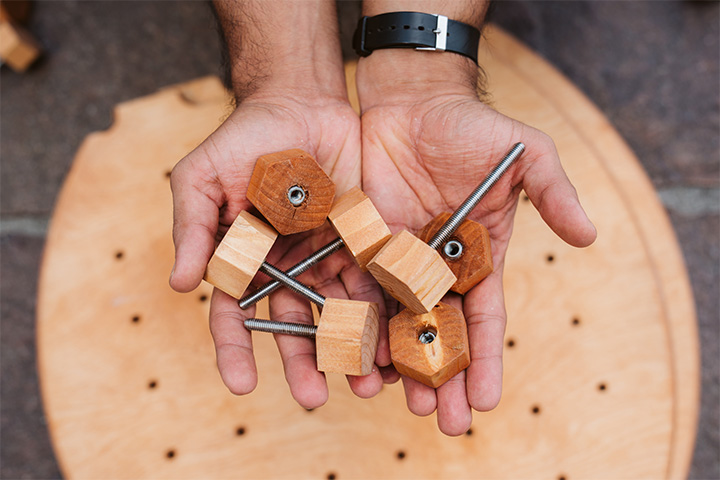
(601, 366)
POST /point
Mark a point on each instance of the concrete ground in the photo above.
(652, 67)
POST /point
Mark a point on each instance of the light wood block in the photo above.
(240, 254)
(95, 361)
(272, 178)
(412, 272)
(18, 48)
(359, 224)
(347, 337)
(475, 263)
(436, 362)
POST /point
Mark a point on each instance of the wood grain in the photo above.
(273, 176)
(618, 315)
(412, 272)
(436, 362)
(347, 337)
(239, 255)
(358, 223)
(476, 261)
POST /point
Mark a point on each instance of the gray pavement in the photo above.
(651, 67)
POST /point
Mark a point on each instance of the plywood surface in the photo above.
(601, 364)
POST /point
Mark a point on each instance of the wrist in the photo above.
(406, 75)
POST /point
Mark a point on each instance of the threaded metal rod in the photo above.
(292, 284)
(471, 202)
(296, 270)
(286, 328)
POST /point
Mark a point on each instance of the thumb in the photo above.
(195, 224)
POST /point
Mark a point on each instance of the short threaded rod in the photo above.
(286, 328)
(296, 270)
(292, 284)
(471, 201)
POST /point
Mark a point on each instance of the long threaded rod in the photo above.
(471, 202)
(296, 270)
(296, 329)
(292, 284)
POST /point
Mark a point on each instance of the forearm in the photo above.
(287, 48)
(406, 73)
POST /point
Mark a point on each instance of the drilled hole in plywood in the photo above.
(575, 321)
(240, 431)
(331, 476)
(525, 198)
(135, 319)
(152, 384)
(203, 298)
(168, 173)
(400, 455)
(469, 432)
(119, 255)
(602, 387)
(170, 454)
(510, 343)
(309, 410)
(562, 477)
(550, 258)
(535, 410)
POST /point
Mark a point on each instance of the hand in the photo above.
(425, 147)
(209, 188)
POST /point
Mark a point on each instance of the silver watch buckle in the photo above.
(440, 35)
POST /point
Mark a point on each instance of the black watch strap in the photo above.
(422, 31)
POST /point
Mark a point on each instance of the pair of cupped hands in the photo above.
(417, 150)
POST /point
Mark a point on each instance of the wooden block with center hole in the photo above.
(347, 337)
(240, 254)
(291, 191)
(470, 259)
(432, 347)
(412, 272)
(18, 48)
(358, 223)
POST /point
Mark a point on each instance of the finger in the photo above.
(485, 316)
(454, 415)
(550, 190)
(195, 223)
(389, 374)
(307, 386)
(421, 399)
(233, 344)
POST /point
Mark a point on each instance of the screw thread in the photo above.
(297, 287)
(286, 328)
(474, 198)
(296, 270)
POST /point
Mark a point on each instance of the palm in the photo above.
(423, 159)
(209, 188)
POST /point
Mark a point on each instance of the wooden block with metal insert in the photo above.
(432, 347)
(291, 191)
(240, 254)
(467, 252)
(412, 272)
(358, 223)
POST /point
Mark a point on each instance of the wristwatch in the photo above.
(421, 31)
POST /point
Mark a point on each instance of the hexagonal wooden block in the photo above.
(475, 262)
(347, 337)
(359, 224)
(432, 347)
(240, 253)
(273, 190)
(412, 272)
